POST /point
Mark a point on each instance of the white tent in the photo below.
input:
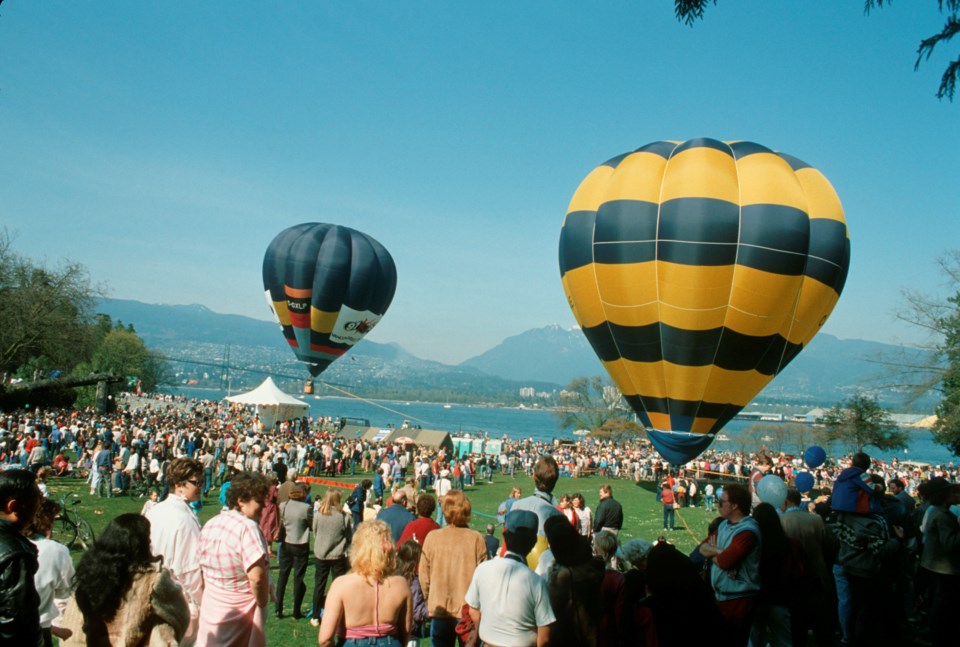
(272, 404)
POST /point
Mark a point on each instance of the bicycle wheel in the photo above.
(64, 531)
(85, 534)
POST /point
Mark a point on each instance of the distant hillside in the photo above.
(166, 325)
(550, 354)
(827, 371)
(547, 358)
(196, 339)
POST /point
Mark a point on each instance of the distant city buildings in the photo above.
(530, 393)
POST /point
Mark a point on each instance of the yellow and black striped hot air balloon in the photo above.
(697, 271)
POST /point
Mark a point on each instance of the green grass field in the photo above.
(642, 518)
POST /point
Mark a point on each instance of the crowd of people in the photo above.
(876, 554)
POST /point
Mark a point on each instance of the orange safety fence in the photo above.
(313, 480)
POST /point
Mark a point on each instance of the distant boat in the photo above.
(448, 406)
(582, 432)
(723, 437)
(767, 439)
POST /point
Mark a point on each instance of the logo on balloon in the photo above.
(362, 327)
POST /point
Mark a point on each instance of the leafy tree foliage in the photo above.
(122, 352)
(44, 312)
(588, 403)
(775, 439)
(47, 324)
(946, 430)
(619, 430)
(861, 421)
(690, 11)
(938, 371)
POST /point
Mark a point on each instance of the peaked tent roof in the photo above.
(272, 404)
(433, 438)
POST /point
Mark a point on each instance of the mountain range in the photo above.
(202, 344)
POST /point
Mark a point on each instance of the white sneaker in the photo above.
(314, 622)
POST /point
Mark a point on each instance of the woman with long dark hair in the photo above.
(781, 563)
(123, 596)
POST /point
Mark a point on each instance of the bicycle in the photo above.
(139, 488)
(69, 527)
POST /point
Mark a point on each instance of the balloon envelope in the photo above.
(804, 481)
(771, 489)
(533, 557)
(814, 456)
(697, 271)
(327, 286)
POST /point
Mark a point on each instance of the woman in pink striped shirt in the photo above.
(233, 559)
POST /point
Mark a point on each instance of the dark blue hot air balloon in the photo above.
(328, 286)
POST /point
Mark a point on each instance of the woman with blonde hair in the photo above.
(369, 605)
(331, 537)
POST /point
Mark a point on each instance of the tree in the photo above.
(123, 352)
(587, 403)
(946, 430)
(690, 11)
(861, 421)
(619, 430)
(936, 369)
(43, 311)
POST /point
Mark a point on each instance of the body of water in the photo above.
(540, 424)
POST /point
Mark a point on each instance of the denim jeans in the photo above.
(668, 516)
(771, 625)
(443, 632)
(382, 641)
(843, 601)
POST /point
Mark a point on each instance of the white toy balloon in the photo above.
(771, 489)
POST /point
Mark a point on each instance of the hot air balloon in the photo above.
(327, 286)
(697, 271)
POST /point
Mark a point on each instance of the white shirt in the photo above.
(175, 534)
(54, 578)
(512, 600)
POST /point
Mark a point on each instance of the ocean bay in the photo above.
(540, 424)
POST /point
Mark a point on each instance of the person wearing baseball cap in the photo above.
(508, 601)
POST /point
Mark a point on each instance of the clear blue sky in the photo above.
(164, 144)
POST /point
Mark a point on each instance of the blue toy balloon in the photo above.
(814, 456)
(771, 489)
(804, 481)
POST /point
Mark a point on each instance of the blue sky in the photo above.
(164, 144)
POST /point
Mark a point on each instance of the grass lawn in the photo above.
(642, 518)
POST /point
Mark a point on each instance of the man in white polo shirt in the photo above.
(175, 534)
(508, 601)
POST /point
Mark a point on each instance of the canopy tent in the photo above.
(273, 405)
(432, 438)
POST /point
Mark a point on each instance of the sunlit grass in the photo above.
(642, 518)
